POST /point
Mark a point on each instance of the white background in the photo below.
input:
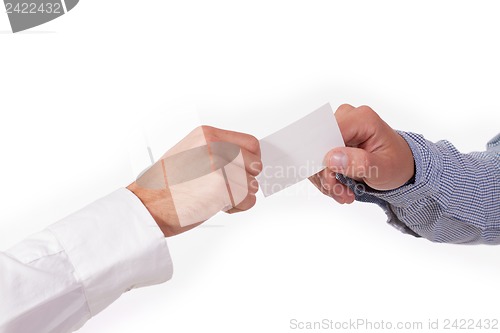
(74, 91)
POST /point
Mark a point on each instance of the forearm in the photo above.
(454, 197)
(56, 280)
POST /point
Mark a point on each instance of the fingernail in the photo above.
(338, 160)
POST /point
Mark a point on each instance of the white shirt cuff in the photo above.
(114, 245)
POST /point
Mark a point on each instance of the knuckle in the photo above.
(206, 128)
(345, 107)
(211, 131)
(210, 137)
(252, 200)
(366, 161)
(253, 143)
(367, 112)
(365, 109)
(256, 167)
(208, 132)
(253, 185)
(361, 165)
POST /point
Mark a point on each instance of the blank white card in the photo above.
(297, 151)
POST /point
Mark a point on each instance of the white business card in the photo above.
(297, 151)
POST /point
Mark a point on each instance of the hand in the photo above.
(208, 171)
(374, 154)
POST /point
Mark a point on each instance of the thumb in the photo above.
(355, 163)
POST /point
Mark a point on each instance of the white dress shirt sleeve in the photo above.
(56, 280)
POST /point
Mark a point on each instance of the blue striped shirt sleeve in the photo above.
(453, 198)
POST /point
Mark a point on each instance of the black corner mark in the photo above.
(70, 4)
(26, 14)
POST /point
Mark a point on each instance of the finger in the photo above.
(314, 179)
(344, 108)
(342, 194)
(344, 198)
(246, 204)
(316, 182)
(355, 163)
(328, 179)
(357, 125)
(240, 192)
(342, 116)
(250, 199)
(336, 189)
(253, 185)
(243, 140)
(253, 163)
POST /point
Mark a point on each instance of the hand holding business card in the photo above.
(297, 151)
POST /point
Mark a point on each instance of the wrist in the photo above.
(160, 205)
(407, 166)
(425, 180)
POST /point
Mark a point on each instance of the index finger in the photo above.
(246, 141)
(356, 124)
